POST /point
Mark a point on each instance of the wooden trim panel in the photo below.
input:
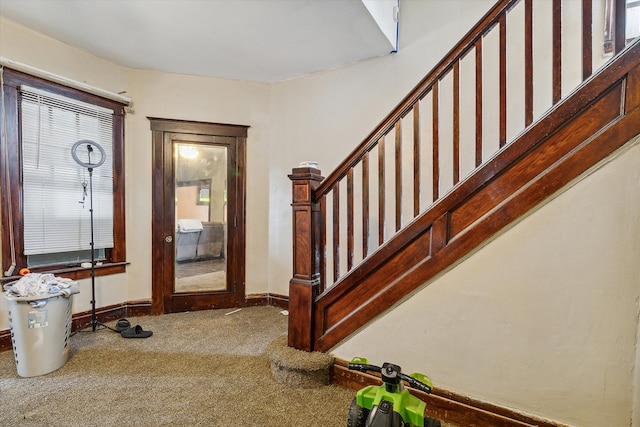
(276, 300)
(203, 128)
(77, 273)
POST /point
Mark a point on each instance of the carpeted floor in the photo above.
(198, 369)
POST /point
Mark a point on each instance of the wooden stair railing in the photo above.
(476, 182)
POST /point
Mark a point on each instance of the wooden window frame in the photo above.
(115, 257)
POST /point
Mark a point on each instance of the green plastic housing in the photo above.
(410, 408)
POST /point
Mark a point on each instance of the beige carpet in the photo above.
(198, 369)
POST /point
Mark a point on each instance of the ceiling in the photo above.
(254, 40)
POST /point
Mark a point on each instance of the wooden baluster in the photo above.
(479, 102)
(398, 170)
(381, 192)
(323, 244)
(503, 79)
(620, 10)
(456, 122)
(557, 50)
(528, 62)
(435, 159)
(416, 160)
(587, 39)
(336, 231)
(365, 205)
(614, 26)
(609, 19)
(305, 283)
(349, 219)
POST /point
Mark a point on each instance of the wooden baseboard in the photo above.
(446, 405)
(276, 300)
(113, 312)
(103, 315)
(5, 340)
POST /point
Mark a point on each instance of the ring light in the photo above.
(89, 149)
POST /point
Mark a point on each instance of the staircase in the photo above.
(471, 149)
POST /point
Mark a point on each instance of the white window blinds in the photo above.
(55, 188)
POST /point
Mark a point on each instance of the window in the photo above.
(45, 193)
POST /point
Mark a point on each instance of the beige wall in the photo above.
(166, 96)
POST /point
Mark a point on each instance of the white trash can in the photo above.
(40, 334)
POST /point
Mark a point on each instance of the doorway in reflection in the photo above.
(200, 217)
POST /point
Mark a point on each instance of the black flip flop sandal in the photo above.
(136, 332)
(122, 324)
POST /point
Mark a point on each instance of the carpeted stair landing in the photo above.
(298, 368)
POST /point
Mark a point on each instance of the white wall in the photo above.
(544, 318)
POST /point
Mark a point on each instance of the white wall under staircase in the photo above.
(544, 318)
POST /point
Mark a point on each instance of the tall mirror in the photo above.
(200, 217)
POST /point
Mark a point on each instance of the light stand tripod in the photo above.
(90, 166)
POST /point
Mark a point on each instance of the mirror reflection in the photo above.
(200, 217)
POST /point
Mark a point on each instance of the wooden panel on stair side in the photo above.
(539, 159)
(633, 89)
(376, 281)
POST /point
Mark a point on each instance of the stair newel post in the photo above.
(305, 283)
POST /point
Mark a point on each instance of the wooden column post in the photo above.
(305, 284)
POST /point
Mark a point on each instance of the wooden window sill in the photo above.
(77, 272)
